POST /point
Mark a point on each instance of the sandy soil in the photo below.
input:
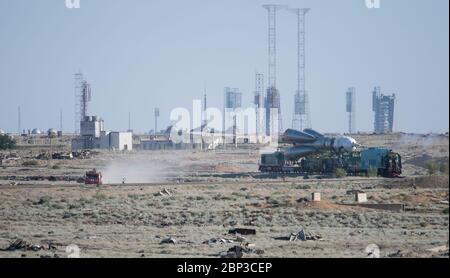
(213, 192)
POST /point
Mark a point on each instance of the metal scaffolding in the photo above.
(383, 108)
(259, 103)
(301, 118)
(82, 97)
(273, 97)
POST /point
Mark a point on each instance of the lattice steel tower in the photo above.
(301, 118)
(82, 97)
(273, 122)
(259, 104)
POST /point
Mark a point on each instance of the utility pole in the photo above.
(61, 120)
(19, 124)
(156, 119)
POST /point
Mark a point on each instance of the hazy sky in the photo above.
(144, 53)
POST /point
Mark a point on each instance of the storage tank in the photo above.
(36, 131)
(52, 132)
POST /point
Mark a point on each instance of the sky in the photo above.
(142, 54)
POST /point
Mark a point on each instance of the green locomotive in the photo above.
(384, 161)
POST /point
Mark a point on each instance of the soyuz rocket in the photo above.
(310, 141)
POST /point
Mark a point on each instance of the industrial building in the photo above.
(94, 136)
(383, 108)
(233, 101)
(273, 112)
(350, 108)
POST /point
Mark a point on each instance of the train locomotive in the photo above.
(313, 153)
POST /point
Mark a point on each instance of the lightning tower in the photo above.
(301, 118)
(273, 111)
(82, 97)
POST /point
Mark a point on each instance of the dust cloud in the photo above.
(134, 170)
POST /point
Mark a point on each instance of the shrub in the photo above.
(30, 163)
(432, 167)
(44, 200)
(445, 211)
(56, 167)
(340, 173)
(7, 142)
(443, 168)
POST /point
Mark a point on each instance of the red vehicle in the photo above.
(93, 177)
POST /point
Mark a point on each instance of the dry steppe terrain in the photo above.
(195, 196)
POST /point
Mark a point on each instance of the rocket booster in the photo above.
(310, 141)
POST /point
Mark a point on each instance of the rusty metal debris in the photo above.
(217, 241)
(168, 240)
(20, 244)
(301, 235)
(164, 192)
(242, 231)
(238, 251)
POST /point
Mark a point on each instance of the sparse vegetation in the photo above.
(443, 168)
(44, 200)
(340, 173)
(434, 167)
(30, 163)
(6, 142)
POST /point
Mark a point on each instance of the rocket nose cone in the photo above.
(347, 144)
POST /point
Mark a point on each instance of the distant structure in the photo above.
(94, 136)
(19, 123)
(350, 108)
(82, 97)
(61, 120)
(156, 114)
(302, 117)
(259, 105)
(205, 120)
(272, 102)
(233, 100)
(129, 121)
(383, 107)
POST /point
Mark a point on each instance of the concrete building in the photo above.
(383, 108)
(94, 136)
(233, 100)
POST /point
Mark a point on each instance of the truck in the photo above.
(384, 162)
(93, 177)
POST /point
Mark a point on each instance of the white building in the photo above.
(121, 141)
(94, 136)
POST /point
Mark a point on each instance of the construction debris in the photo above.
(85, 154)
(315, 197)
(361, 197)
(169, 240)
(62, 155)
(217, 240)
(20, 244)
(238, 251)
(302, 235)
(164, 192)
(242, 231)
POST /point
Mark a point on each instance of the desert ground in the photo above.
(192, 199)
